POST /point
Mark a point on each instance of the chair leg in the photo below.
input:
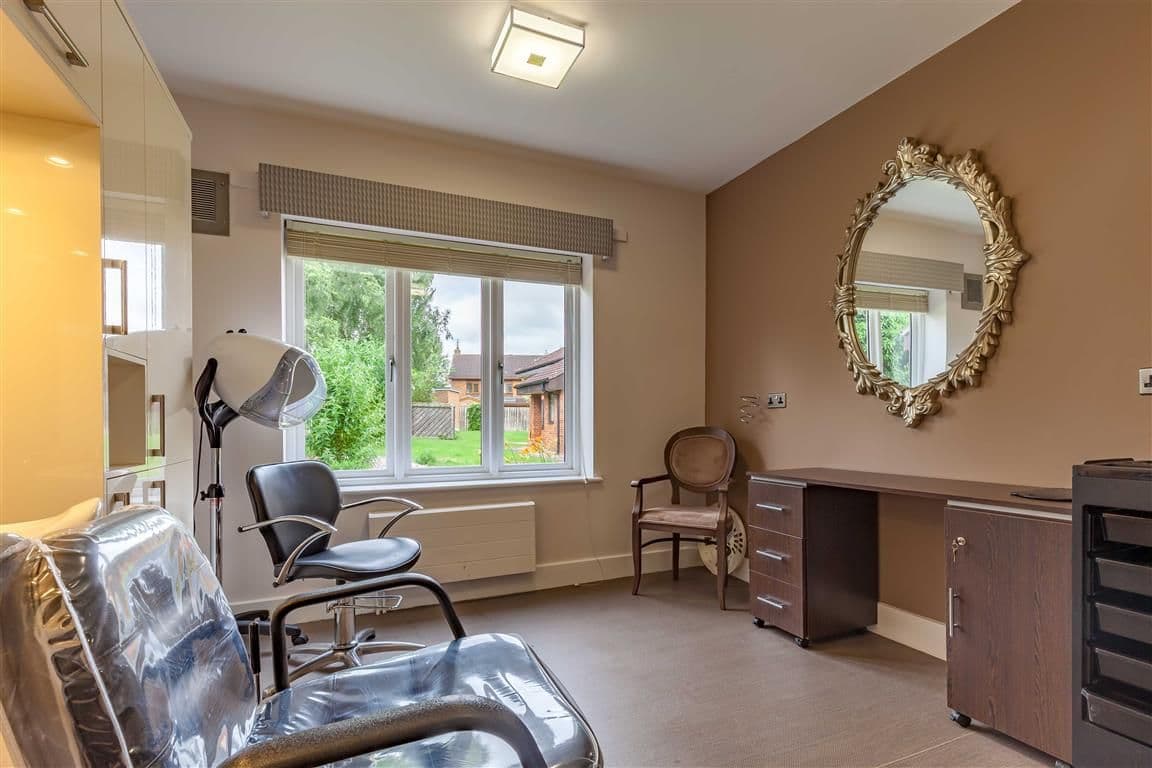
(675, 557)
(721, 569)
(635, 558)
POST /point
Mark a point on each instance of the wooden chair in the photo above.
(699, 459)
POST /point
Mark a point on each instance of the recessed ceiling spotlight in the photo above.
(15, 211)
(536, 48)
(58, 161)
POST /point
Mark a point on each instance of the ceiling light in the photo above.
(536, 48)
(15, 211)
(59, 162)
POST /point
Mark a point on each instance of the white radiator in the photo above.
(463, 543)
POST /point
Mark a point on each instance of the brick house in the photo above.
(543, 382)
(464, 386)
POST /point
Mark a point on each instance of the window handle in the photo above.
(391, 369)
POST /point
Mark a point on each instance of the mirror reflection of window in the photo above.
(912, 314)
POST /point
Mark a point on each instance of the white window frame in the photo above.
(915, 344)
(398, 470)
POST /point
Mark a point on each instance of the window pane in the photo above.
(534, 364)
(344, 328)
(862, 328)
(896, 345)
(446, 371)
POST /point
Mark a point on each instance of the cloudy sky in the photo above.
(533, 315)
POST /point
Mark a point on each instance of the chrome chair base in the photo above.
(349, 645)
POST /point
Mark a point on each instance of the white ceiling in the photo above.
(687, 91)
(936, 202)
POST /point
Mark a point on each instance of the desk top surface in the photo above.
(995, 494)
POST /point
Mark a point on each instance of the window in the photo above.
(433, 374)
(895, 341)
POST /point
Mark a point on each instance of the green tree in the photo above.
(344, 319)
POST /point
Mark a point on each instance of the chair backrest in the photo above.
(118, 648)
(700, 459)
(293, 488)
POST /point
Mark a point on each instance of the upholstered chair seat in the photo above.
(684, 516)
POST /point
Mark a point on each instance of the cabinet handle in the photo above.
(769, 601)
(124, 497)
(121, 266)
(772, 507)
(952, 624)
(163, 449)
(73, 55)
(771, 555)
(160, 485)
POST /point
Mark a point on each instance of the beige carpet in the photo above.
(666, 679)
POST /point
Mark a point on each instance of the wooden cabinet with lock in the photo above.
(1009, 576)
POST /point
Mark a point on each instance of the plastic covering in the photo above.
(499, 667)
(117, 648)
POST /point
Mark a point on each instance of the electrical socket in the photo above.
(776, 400)
(1146, 381)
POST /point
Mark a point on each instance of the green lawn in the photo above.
(464, 450)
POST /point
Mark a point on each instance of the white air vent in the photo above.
(209, 202)
(973, 296)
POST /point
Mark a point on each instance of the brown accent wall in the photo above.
(1058, 98)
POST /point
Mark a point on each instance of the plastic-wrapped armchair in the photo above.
(118, 648)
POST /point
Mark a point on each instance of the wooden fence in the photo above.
(516, 418)
(432, 420)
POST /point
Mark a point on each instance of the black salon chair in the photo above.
(296, 505)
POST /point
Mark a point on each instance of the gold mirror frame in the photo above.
(1002, 259)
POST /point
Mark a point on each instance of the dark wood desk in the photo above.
(813, 558)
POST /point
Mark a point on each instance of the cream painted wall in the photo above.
(648, 315)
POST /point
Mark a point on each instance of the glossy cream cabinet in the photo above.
(147, 272)
(95, 268)
(51, 402)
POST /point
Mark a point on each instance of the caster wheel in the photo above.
(801, 641)
(759, 623)
(961, 720)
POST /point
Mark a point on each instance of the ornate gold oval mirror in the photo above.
(925, 280)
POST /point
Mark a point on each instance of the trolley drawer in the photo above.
(776, 507)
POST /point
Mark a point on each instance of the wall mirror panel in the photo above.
(925, 280)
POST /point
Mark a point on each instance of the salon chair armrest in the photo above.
(360, 735)
(322, 529)
(409, 507)
(351, 589)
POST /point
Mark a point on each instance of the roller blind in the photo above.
(425, 254)
(893, 299)
(909, 271)
(326, 196)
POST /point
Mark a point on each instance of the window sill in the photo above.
(356, 492)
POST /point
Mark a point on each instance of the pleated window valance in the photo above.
(892, 299)
(425, 254)
(297, 192)
(909, 271)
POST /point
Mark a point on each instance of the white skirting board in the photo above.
(546, 576)
(910, 629)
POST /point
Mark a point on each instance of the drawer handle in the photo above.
(162, 450)
(121, 266)
(774, 603)
(772, 507)
(73, 55)
(159, 485)
(772, 555)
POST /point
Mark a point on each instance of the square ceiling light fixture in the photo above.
(536, 48)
